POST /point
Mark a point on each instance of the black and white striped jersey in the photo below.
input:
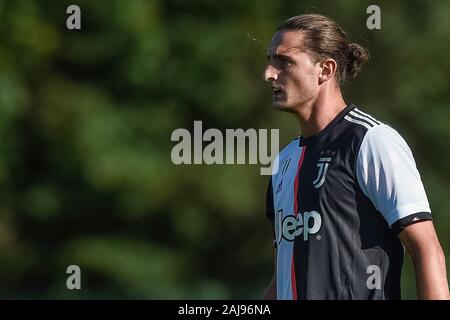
(336, 202)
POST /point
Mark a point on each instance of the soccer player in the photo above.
(347, 193)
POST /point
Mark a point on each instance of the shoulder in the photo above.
(361, 120)
(289, 149)
(383, 139)
(285, 153)
(358, 124)
(368, 132)
(354, 127)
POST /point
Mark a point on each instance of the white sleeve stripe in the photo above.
(363, 118)
(367, 115)
(357, 122)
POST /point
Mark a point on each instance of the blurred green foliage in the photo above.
(86, 118)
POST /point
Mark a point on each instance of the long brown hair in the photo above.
(324, 38)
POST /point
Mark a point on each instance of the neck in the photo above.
(316, 115)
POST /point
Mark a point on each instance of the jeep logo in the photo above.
(306, 223)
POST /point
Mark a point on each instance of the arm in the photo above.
(421, 241)
(387, 174)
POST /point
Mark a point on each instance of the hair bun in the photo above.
(357, 56)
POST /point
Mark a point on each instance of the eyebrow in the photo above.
(282, 56)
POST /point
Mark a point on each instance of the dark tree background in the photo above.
(86, 118)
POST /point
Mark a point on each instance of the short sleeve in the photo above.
(388, 176)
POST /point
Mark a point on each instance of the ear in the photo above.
(328, 68)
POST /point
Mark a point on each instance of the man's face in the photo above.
(291, 72)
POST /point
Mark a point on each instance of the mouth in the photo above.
(277, 91)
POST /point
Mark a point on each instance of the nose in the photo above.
(270, 73)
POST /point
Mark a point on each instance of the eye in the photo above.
(285, 63)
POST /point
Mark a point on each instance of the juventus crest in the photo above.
(324, 162)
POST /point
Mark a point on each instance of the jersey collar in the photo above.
(311, 139)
